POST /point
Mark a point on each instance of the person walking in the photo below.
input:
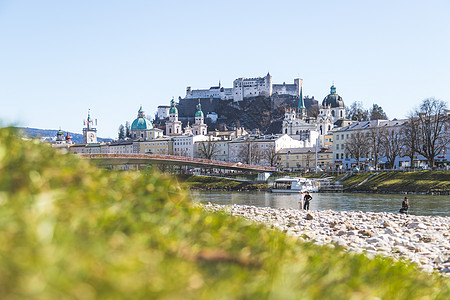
(306, 199)
(405, 206)
(301, 200)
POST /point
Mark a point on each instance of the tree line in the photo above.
(426, 132)
(124, 131)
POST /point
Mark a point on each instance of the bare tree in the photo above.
(309, 158)
(244, 153)
(374, 143)
(391, 143)
(208, 149)
(408, 135)
(250, 153)
(432, 128)
(270, 155)
(356, 146)
(256, 154)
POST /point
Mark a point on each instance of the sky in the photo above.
(58, 59)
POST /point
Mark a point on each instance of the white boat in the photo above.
(294, 185)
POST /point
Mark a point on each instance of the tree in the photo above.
(250, 153)
(208, 149)
(408, 137)
(374, 143)
(432, 128)
(127, 130)
(121, 132)
(309, 158)
(356, 146)
(377, 113)
(270, 155)
(356, 112)
(391, 143)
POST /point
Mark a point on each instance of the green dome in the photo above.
(199, 112)
(173, 109)
(141, 124)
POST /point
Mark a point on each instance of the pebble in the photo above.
(423, 240)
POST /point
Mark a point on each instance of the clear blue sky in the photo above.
(60, 58)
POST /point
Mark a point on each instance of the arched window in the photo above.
(285, 131)
(296, 132)
(332, 113)
(341, 113)
(321, 129)
(170, 130)
(342, 155)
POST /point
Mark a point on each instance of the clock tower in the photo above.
(89, 132)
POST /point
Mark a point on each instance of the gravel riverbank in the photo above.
(424, 240)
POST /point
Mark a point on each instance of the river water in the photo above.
(424, 205)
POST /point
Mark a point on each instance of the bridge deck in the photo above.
(121, 159)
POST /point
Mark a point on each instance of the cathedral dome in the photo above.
(333, 100)
(173, 109)
(141, 122)
(199, 112)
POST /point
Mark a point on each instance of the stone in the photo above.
(419, 239)
(417, 225)
(365, 232)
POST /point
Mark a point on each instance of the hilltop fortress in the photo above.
(247, 88)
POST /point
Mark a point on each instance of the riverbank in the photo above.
(424, 240)
(221, 184)
(418, 182)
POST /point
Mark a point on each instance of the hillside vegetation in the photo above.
(397, 182)
(71, 231)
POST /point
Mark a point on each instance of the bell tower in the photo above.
(89, 132)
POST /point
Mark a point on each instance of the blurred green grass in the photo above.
(69, 230)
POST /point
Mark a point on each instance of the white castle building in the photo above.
(247, 87)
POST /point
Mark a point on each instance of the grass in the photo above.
(422, 181)
(69, 230)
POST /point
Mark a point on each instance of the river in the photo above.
(424, 205)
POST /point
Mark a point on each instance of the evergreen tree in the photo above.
(127, 130)
(377, 113)
(357, 112)
(121, 132)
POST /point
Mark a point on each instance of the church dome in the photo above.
(141, 122)
(333, 100)
(199, 112)
(173, 109)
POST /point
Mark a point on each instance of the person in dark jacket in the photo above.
(405, 206)
(307, 199)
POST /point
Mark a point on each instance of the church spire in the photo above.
(301, 109)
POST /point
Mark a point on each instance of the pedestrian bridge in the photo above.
(143, 159)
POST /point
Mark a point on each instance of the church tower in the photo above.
(173, 126)
(89, 132)
(301, 109)
(199, 127)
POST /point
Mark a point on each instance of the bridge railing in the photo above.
(213, 163)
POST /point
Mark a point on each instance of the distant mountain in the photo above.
(50, 134)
